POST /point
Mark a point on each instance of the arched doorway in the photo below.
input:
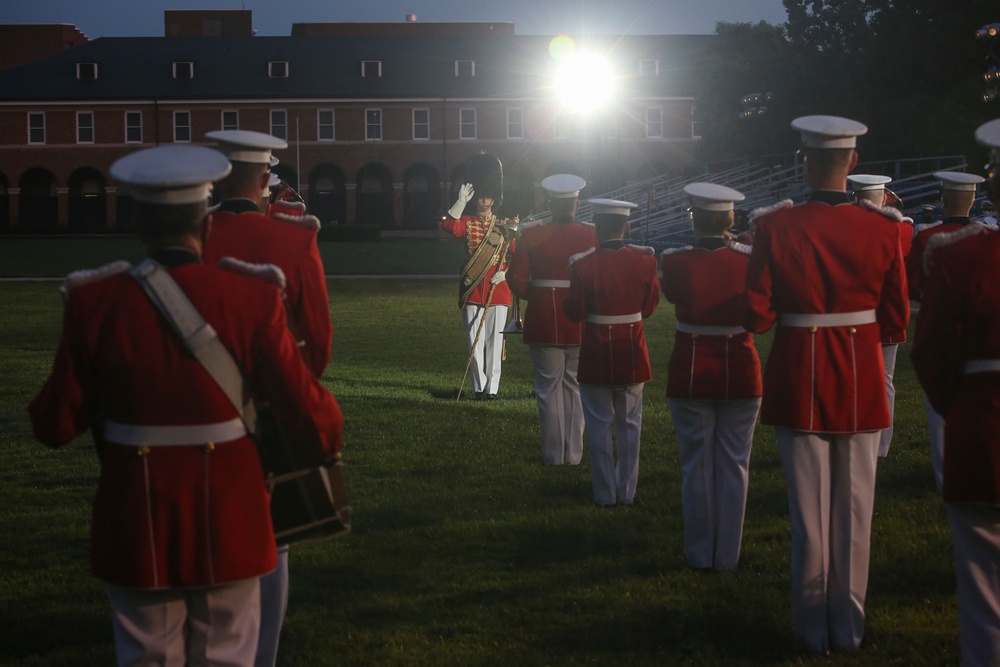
(327, 194)
(287, 175)
(88, 210)
(39, 204)
(374, 195)
(421, 197)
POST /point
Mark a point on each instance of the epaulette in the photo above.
(742, 248)
(580, 255)
(927, 225)
(298, 206)
(644, 249)
(939, 241)
(310, 222)
(674, 251)
(269, 273)
(764, 210)
(893, 214)
(87, 276)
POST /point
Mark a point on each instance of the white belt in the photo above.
(615, 319)
(709, 330)
(982, 366)
(132, 434)
(549, 283)
(826, 319)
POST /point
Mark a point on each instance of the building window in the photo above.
(654, 122)
(515, 123)
(36, 128)
(277, 69)
(133, 127)
(649, 68)
(373, 124)
(421, 124)
(86, 71)
(182, 126)
(183, 70)
(371, 69)
(230, 119)
(467, 123)
(465, 68)
(326, 129)
(84, 127)
(279, 123)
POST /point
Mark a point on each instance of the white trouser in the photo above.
(197, 627)
(560, 415)
(975, 530)
(273, 605)
(613, 415)
(714, 440)
(831, 495)
(935, 433)
(486, 352)
(889, 357)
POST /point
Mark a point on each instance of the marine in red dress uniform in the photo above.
(830, 274)
(956, 355)
(181, 509)
(539, 274)
(713, 382)
(612, 289)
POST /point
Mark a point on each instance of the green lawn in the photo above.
(466, 550)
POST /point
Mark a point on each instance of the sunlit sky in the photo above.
(144, 18)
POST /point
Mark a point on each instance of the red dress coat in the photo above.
(472, 229)
(179, 515)
(707, 285)
(613, 280)
(915, 260)
(239, 231)
(959, 322)
(543, 252)
(826, 256)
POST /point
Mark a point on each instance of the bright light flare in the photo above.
(584, 82)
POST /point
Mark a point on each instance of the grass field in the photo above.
(467, 551)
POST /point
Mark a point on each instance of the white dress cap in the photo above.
(863, 182)
(273, 179)
(988, 134)
(612, 206)
(712, 197)
(246, 145)
(958, 180)
(563, 186)
(177, 174)
(828, 131)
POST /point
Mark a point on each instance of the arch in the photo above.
(327, 197)
(87, 205)
(421, 196)
(374, 196)
(39, 203)
(287, 175)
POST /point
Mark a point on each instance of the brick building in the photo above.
(378, 117)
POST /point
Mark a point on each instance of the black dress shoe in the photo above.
(491, 397)
(480, 396)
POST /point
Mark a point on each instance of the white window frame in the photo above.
(654, 123)
(230, 126)
(277, 69)
(136, 127)
(465, 68)
(649, 67)
(367, 67)
(185, 65)
(464, 123)
(186, 127)
(279, 130)
(518, 123)
(369, 125)
(320, 125)
(36, 115)
(82, 129)
(425, 124)
(85, 68)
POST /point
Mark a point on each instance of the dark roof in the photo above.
(140, 68)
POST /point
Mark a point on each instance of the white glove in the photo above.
(465, 194)
(498, 277)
